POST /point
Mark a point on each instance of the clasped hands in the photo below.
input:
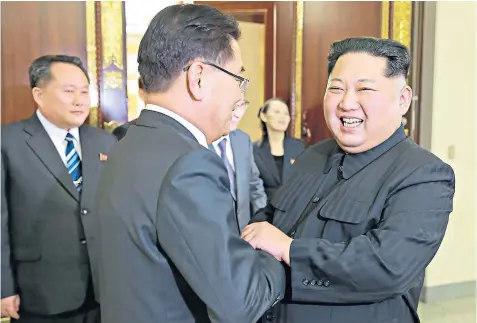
(264, 236)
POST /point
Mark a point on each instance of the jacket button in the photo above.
(269, 317)
(305, 282)
(84, 211)
(319, 283)
(326, 283)
(316, 199)
(313, 282)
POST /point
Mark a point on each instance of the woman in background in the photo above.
(275, 152)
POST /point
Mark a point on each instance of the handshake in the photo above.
(266, 237)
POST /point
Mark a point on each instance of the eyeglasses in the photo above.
(243, 81)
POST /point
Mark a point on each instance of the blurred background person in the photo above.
(236, 151)
(276, 151)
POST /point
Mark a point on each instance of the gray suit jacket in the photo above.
(250, 196)
(361, 248)
(48, 229)
(170, 244)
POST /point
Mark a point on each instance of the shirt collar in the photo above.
(55, 131)
(353, 163)
(199, 135)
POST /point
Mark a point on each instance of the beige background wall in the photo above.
(451, 126)
(252, 44)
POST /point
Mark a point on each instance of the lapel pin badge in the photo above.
(103, 157)
(292, 161)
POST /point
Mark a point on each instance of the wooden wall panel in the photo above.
(324, 23)
(29, 30)
(284, 34)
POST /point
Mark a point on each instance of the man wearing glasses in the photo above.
(236, 152)
(170, 246)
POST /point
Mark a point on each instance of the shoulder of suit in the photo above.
(417, 156)
(99, 133)
(324, 147)
(6, 128)
(12, 132)
(240, 134)
(295, 141)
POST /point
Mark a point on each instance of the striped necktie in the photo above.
(228, 166)
(73, 162)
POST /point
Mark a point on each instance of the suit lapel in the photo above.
(44, 148)
(212, 148)
(287, 159)
(265, 155)
(240, 169)
(91, 163)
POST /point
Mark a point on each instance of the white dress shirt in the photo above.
(199, 135)
(58, 136)
(228, 150)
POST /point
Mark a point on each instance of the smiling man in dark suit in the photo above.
(51, 164)
(365, 212)
(171, 249)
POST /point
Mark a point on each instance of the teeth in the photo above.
(351, 122)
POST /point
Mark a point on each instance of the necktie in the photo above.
(73, 162)
(225, 160)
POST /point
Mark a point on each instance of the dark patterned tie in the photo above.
(73, 162)
(225, 160)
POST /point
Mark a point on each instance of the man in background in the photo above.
(236, 152)
(51, 164)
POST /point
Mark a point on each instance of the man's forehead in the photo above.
(360, 63)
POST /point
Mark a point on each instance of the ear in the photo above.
(37, 96)
(405, 99)
(195, 81)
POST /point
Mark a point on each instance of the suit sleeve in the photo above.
(8, 283)
(386, 261)
(197, 229)
(257, 191)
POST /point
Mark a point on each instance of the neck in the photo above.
(275, 137)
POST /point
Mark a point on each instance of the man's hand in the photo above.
(264, 236)
(11, 306)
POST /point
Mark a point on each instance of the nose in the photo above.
(349, 101)
(77, 100)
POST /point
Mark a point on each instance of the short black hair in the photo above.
(180, 34)
(397, 55)
(40, 70)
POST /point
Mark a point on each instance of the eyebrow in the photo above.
(81, 86)
(359, 81)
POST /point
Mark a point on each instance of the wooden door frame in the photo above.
(268, 9)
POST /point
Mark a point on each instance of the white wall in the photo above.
(453, 125)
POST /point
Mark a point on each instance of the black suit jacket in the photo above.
(170, 244)
(359, 252)
(266, 164)
(121, 131)
(48, 229)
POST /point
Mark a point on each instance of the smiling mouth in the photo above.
(351, 122)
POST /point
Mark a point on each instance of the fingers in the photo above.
(11, 306)
(9, 310)
(17, 303)
(247, 230)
